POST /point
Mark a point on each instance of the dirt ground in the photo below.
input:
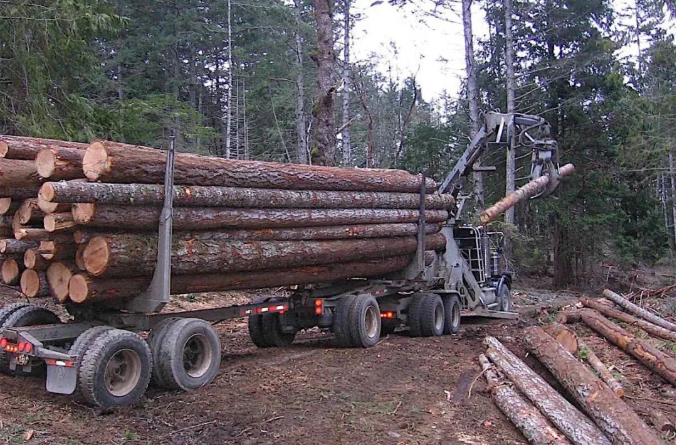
(403, 391)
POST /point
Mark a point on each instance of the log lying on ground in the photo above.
(33, 260)
(17, 147)
(87, 289)
(59, 164)
(114, 162)
(34, 284)
(650, 328)
(57, 222)
(196, 196)
(116, 256)
(567, 338)
(15, 247)
(58, 277)
(571, 422)
(661, 422)
(637, 310)
(527, 191)
(11, 271)
(651, 357)
(609, 412)
(18, 174)
(522, 414)
(210, 218)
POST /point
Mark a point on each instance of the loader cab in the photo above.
(482, 250)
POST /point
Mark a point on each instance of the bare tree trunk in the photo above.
(672, 174)
(228, 124)
(347, 151)
(302, 146)
(325, 134)
(510, 169)
(472, 94)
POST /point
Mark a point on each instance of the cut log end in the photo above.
(55, 222)
(4, 148)
(58, 277)
(10, 271)
(5, 204)
(83, 213)
(45, 162)
(79, 257)
(96, 256)
(30, 283)
(95, 161)
(47, 192)
(78, 288)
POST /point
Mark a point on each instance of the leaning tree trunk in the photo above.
(88, 289)
(637, 310)
(650, 328)
(610, 413)
(197, 196)
(522, 414)
(571, 422)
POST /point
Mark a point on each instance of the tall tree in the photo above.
(325, 129)
(510, 165)
(347, 28)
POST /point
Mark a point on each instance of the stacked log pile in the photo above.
(88, 218)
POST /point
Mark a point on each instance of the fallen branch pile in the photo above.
(237, 224)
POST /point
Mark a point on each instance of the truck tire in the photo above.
(504, 298)
(451, 314)
(341, 322)
(8, 310)
(413, 320)
(431, 316)
(272, 331)
(155, 340)
(115, 369)
(256, 331)
(21, 316)
(364, 322)
(190, 355)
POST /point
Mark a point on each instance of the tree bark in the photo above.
(637, 310)
(6, 226)
(661, 422)
(52, 207)
(325, 132)
(89, 289)
(60, 164)
(210, 218)
(347, 28)
(302, 143)
(571, 422)
(197, 196)
(58, 222)
(19, 193)
(29, 212)
(532, 424)
(8, 206)
(529, 190)
(510, 168)
(34, 284)
(16, 247)
(602, 370)
(114, 162)
(24, 148)
(79, 257)
(58, 277)
(610, 413)
(33, 260)
(564, 336)
(650, 328)
(57, 250)
(11, 271)
(132, 256)
(17, 174)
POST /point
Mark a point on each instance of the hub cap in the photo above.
(371, 321)
(123, 372)
(197, 356)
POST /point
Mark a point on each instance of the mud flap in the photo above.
(61, 379)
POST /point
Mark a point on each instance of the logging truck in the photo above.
(455, 273)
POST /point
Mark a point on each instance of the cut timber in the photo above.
(571, 422)
(34, 284)
(58, 277)
(14, 247)
(54, 250)
(11, 271)
(661, 421)
(196, 196)
(6, 228)
(33, 260)
(52, 207)
(114, 162)
(57, 222)
(87, 289)
(17, 147)
(210, 218)
(17, 174)
(18, 193)
(8, 205)
(564, 336)
(31, 234)
(29, 212)
(651, 357)
(79, 257)
(59, 164)
(610, 413)
(637, 310)
(650, 328)
(602, 370)
(115, 256)
(522, 414)
(527, 191)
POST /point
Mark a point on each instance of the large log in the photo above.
(650, 356)
(210, 218)
(8, 205)
(532, 424)
(58, 277)
(196, 196)
(114, 162)
(34, 284)
(650, 328)
(13, 246)
(16, 174)
(18, 147)
(571, 422)
(57, 222)
(33, 260)
(59, 164)
(637, 310)
(11, 271)
(527, 191)
(87, 289)
(48, 207)
(29, 212)
(19, 193)
(610, 413)
(115, 256)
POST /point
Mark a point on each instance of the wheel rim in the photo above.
(197, 356)
(439, 318)
(371, 322)
(123, 372)
(506, 301)
(456, 315)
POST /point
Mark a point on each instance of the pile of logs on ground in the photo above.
(601, 416)
(79, 221)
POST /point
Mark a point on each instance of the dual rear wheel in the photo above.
(433, 315)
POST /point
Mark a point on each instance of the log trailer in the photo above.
(100, 353)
